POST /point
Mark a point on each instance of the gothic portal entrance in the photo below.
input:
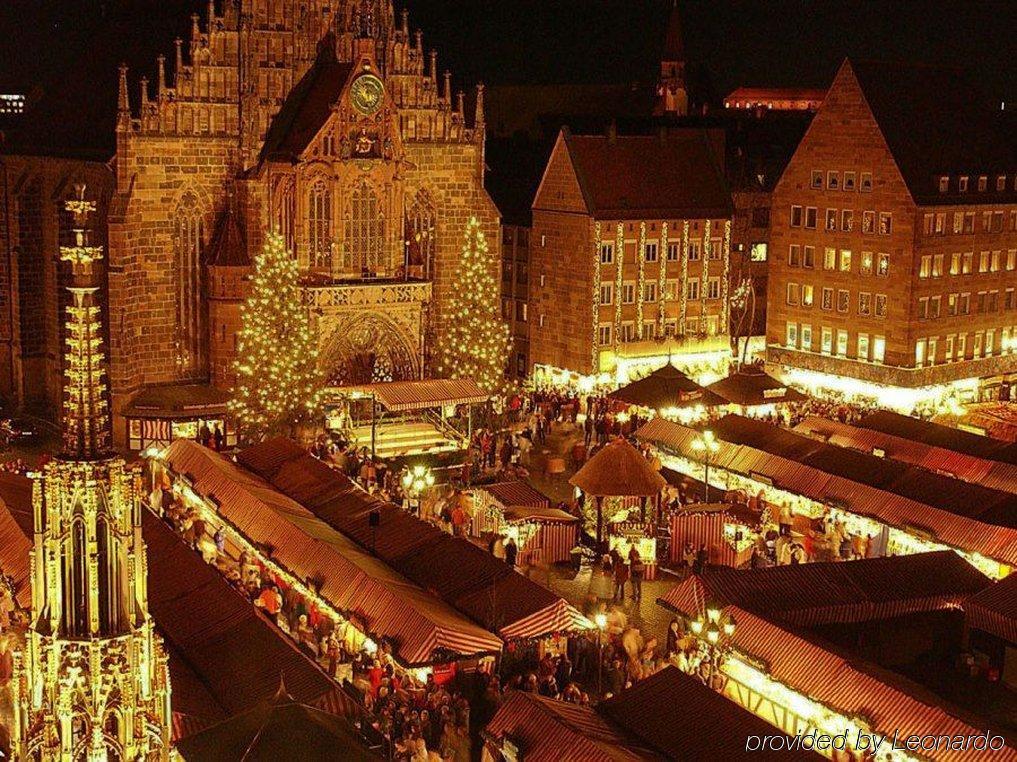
(368, 349)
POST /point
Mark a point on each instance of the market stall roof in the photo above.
(752, 386)
(938, 435)
(422, 628)
(278, 728)
(836, 591)
(886, 701)
(419, 395)
(538, 513)
(16, 534)
(971, 468)
(652, 708)
(466, 577)
(665, 388)
(787, 473)
(994, 609)
(618, 469)
(177, 401)
(546, 730)
(516, 492)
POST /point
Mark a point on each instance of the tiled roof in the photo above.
(836, 592)
(675, 174)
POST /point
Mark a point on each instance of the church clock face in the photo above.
(366, 93)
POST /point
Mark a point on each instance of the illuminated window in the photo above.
(937, 265)
(845, 261)
(879, 349)
(757, 251)
(319, 225)
(962, 184)
(948, 351)
(365, 232)
(955, 263)
(847, 220)
(807, 337)
(864, 303)
(827, 303)
(880, 305)
(951, 304)
(842, 343)
(843, 300)
(792, 336)
(863, 346)
(1011, 259)
(995, 262)
(944, 183)
(885, 223)
(831, 220)
(883, 265)
(829, 259)
(967, 262)
(826, 339)
(983, 262)
(920, 349)
(962, 346)
(865, 267)
(806, 295)
(868, 222)
(925, 268)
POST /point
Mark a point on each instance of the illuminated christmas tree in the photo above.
(474, 340)
(279, 384)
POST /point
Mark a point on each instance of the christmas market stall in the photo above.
(750, 391)
(669, 393)
(620, 482)
(726, 531)
(515, 509)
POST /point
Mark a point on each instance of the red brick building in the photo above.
(629, 253)
(893, 255)
(327, 121)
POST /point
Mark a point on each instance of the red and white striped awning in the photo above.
(560, 616)
(418, 395)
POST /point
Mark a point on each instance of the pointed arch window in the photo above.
(188, 235)
(284, 212)
(419, 236)
(365, 233)
(319, 224)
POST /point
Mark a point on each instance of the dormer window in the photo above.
(983, 184)
(944, 183)
(962, 184)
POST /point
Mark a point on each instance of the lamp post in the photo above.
(708, 446)
(601, 621)
(415, 480)
(716, 629)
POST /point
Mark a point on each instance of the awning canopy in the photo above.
(664, 389)
(418, 395)
(751, 386)
(542, 513)
(177, 401)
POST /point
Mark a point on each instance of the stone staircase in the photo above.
(396, 438)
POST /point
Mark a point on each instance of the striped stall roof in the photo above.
(539, 514)
(466, 577)
(419, 395)
(836, 591)
(546, 730)
(970, 468)
(422, 628)
(16, 534)
(683, 719)
(809, 480)
(515, 492)
(887, 702)
(994, 609)
(946, 437)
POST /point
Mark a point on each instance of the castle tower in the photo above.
(672, 93)
(92, 681)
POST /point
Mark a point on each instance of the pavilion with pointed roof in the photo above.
(666, 388)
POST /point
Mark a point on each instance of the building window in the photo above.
(817, 179)
(284, 200)
(604, 334)
(955, 263)
(842, 343)
(849, 181)
(868, 222)
(863, 347)
(1001, 183)
(845, 261)
(365, 233)
(865, 267)
(695, 250)
(994, 263)
(969, 222)
(944, 183)
(628, 293)
(809, 257)
(829, 258)
(188, 242)
(319, 225)
(792, 336)
(833, 180)
(962, 184)
(807, 337)
(920, 353)
(948, 352)
(879, 349)
(420, 236)
(983, 262)
(793, 290)
(883, 268)
(674, 251)
(831, 220)
(606, 253)
(967, 262)
(649, 329)
(713, 288)
(796, 216)
(649, 292)
(864, 303)
(965, 304)
(693, 290)
(826, 338)
(757, 251)
(934, 307)
(983, 183)
(940, 226)
(650, 252)
(951, 305)
(880, 305)
(794, 255)
(827, 303)
(925, 266)
(716, 248)
(1008, 299)
(866, 182)
(847, 220)
(606, 294)
(923, 308)
(843, 300)
(885, 223)
(806, 295)
(810, 217)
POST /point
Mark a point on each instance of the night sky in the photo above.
(741, 42)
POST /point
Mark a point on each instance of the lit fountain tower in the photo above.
(93, 681)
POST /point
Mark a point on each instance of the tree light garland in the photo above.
(279, 384)
(474, 340)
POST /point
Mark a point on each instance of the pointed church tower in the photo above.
(93, 681)
(672, 93)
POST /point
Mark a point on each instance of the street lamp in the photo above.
(601, 621)
(708, 446)
(716, 629)
(415, 480)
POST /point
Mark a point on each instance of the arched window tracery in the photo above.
(188, 234)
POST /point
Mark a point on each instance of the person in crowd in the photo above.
(621, 576)
(511, 551)
(636, 571)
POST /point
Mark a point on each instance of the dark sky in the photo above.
(750, 42)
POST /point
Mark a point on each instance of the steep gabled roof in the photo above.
(228, 247)
(673, 174)
(674, 46)
(306, 109)
(935, 122)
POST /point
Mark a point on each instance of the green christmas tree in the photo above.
(474, 340)
(279, 384)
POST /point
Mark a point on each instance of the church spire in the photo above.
(672, 94)
(86, 435)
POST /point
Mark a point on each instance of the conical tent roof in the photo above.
(666, 387)
(618, 470)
